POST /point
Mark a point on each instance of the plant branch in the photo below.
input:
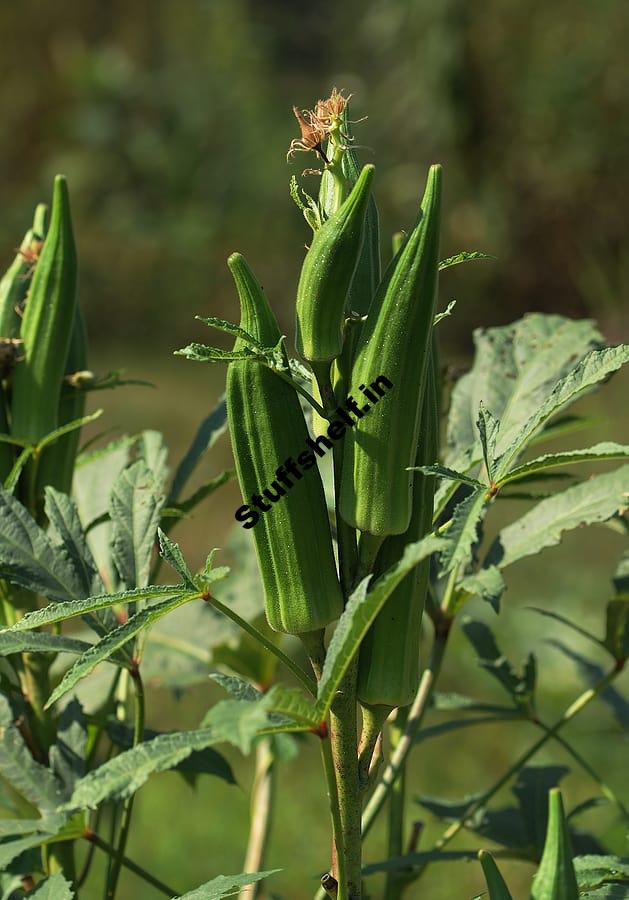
(415, 717)
(262, 796)
(97, 841)
(397, 796)
(127, 810)
(573, 710)
(297, 671)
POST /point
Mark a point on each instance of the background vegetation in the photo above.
(172, 120)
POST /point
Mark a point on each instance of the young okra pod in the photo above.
(389, 671)
(56, 465)
(13, 289)
(376, 486)
(279, 479)
(46, 327)
(327, 273)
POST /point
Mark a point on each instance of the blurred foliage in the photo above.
(172, 122)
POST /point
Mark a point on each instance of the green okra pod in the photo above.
(389, 670)
(46, 327)
(555, 878)
(284, 504)
(376, 486)
(56, 464)
(327, 273)
(13, 290)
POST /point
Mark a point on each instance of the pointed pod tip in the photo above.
(234, 259)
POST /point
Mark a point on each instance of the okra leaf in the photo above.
(462, 257)
(515, 369)
(594, 500)
(199, 762)
(225, 885)
(602, 451)
(362, 608)
(433, 731)
(113, 641)
(487, 583)
(451, 474)
(446, 702)
(34, 782)
(209, 431)
(153, 450)
(95, 474)
(230, 328)
(412, 861)
(496, 884)
(291, 702)
(59, 612)
(66, 530)
(488, 429)
(593, 871)
(55, 887)
(10, 850)
(28, 557)
(183, 507)
(134, 506)
(519, 685)
(203, 353)
(566, 621)
(237, 687)
(170, 553)
(67, 754)
(591, 673)
(39, 642)
(597, 366)
(463, 532)
(232, 721)
(617, 629)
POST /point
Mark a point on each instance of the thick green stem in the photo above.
(127, 810)
(262, 795)
(415, 716)
(338, 856)
(344, 740)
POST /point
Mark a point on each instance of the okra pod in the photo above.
(389, 670)
(46, 327)
(376, 486)
(327, 273)
(284, 505)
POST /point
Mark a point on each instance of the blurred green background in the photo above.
(172, 121)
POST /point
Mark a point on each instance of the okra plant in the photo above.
(362, 537)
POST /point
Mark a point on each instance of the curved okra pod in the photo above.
(279, 479)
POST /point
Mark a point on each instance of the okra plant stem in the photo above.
(262, 797)
(397, 797)
(97, 841)
(337, 826)
(127, 810)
